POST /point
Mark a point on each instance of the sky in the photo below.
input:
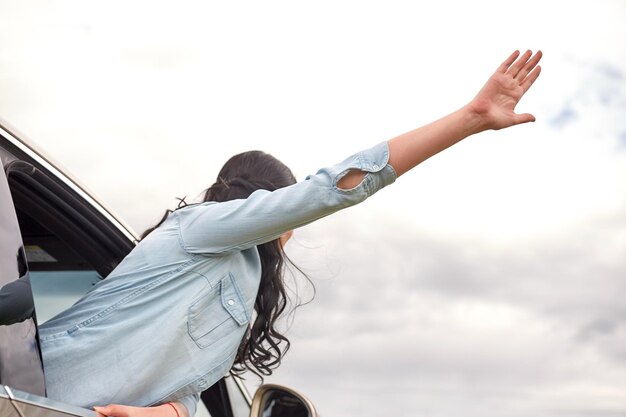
(487, 282)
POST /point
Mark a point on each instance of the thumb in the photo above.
(114, 410)
(524, 118)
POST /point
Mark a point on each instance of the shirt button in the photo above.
(231, 302)
(375, 167)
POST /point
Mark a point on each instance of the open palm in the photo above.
(496, 101)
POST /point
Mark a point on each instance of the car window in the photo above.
(59, 275)
(68, 246)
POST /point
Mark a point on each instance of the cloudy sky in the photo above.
(488, 282)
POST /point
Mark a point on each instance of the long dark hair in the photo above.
(263, 346)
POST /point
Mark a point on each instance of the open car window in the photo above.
(67, 245)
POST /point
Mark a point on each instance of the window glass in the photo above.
(54, 291)
(59, 276)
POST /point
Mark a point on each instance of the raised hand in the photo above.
(492, 108)
(496, 101)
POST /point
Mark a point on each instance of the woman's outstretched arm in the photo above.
(492, 108)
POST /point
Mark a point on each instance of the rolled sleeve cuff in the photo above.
(374, 161)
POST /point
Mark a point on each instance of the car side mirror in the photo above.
(278, 401)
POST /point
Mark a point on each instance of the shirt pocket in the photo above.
(218, 311)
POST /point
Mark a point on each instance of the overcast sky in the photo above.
(488, 282)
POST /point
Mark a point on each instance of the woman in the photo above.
(177, 313)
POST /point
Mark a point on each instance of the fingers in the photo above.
(507, 63)
(531, 78)
(530, 65)
(517, 66)
(524, 68)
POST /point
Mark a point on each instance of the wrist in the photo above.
(172, 409)
(475, 118)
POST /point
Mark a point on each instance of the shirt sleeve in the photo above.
(191, 403)
(214, 228)
(16, 302)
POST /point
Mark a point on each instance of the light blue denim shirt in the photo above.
(167, 322)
